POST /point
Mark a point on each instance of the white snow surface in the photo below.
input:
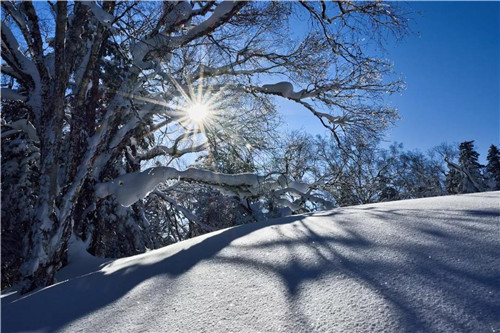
(426, 265)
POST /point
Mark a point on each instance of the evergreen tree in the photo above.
(493, 167)
(468, 156)
(472, 180)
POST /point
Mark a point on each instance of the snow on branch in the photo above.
(28, 23)
(221, 14)
(173, 151)
(132, 187)
(12, 95)
(141, 51)
(105, 18)
(23, 125)
(12, 53)
(180, 13)
(285, 89)
(327, 204)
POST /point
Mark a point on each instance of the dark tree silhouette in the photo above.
(493, 167)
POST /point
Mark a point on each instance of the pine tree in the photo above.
(472, 180)
(493, 167)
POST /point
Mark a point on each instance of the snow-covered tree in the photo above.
(468, 160)
(449, 153)
(467, 176)
(363, 173)
(111, 88)
(493, 168)
(297, 158)
(419, 175)
(20, 176)
(357, 171)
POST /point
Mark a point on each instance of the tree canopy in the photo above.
(96, 94)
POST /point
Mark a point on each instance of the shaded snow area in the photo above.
(426, 265)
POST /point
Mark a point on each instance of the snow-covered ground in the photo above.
(426, 265)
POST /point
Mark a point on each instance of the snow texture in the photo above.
(426, 265)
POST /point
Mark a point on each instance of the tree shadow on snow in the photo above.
(56, 306)
(443, 268)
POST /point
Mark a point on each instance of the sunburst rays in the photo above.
(199, 108)
(196, 108)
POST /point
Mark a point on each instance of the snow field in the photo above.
(425, 265)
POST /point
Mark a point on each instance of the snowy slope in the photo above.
(426, 265)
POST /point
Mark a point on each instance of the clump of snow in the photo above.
(284, 89)
(27, 127)
(181, 12)
(426, 265)
(100, 14)
(132, 187)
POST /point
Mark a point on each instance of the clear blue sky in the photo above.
(450, 64)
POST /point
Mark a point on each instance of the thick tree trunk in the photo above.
(50, 234)
(49, 254)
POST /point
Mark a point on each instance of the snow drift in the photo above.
(426, 265)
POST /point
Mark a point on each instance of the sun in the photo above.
(195, 108)
(198, 112)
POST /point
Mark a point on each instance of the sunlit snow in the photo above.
(425, 265)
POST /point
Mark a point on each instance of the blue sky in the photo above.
(450, 63)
